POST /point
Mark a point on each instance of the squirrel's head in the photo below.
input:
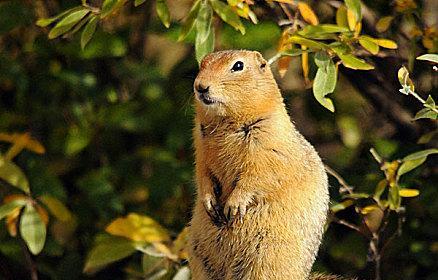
(235, 83)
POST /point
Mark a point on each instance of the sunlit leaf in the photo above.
(432, 57)
(9, 207)
(394, 197)
(351, 20)
(138, 228)
(325, 80)
(421, 154)
(21, 141)
(312, 30)
(341, 16)
(426, 113)
(307, 13)
(355, 7)
(380, 188)
(357, 195)
(88, 31)
(190, 21)
(32, 229)
(67, 23)
(305, 65)
(369, 44)
(341, 206)
(227, 15)
(296, 39)
(409, 192)
(56, 207)
(368, 209)
(353, 62)
(204, 43)
(384, 23)
(13, 175)
(43, 22)
(163, 12)
(403, 78)
(385, 43)
(106, 251)
(111, 6)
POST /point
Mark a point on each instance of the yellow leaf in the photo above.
(341, 16)
(351, 19)
(370, 208)
(57, 208)
(357, 29)
(373, 217)
(383, 24)
(409, 192)
(138, 228)
(162, 248)
(307, 13)
(180, 244)
(305, 65)
(21, 141)
(385, 43)
(43, 214)
(11, 222)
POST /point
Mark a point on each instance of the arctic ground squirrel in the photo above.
(262, 190)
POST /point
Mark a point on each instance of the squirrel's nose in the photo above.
(201, 89)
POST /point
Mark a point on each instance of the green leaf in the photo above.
(369, 44)
(294, 52)
(430, 103)
(341, 16)
(312, 30)
(163, 12)
(325, 80)
(296, 39)
(414, 160)
(353, 62)
(13, 175)
(409, 165)
(380, 188)
(43, 22)
(204, 22)
(357, 195)
(341, 206)
(227, 15)
(138, 2)
(409, 192)
(88, 31)
(56, 207)
(426, 113)
(108, 7)
(421, 154)
(150, 263)
(432, 57)
(205, 33)
(394, 198)
(32, 229)
(77, 140)
(67, 23)
(355, 7)
(190, 21)
(106, 251)
(7, 208)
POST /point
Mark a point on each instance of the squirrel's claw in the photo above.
(235, 209)
(214, 210)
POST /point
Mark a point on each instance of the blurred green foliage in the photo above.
(105, 131)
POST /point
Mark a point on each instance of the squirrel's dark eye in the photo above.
(238, 66)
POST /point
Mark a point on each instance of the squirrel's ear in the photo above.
(261, 62)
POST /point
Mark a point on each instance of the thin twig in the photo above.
(345, 186)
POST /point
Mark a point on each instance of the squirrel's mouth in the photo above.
(206, 99)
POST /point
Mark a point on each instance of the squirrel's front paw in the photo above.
(213, 209)
(236, 206)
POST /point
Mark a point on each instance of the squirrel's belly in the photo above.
(264, 245)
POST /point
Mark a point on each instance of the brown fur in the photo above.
(262, 192)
